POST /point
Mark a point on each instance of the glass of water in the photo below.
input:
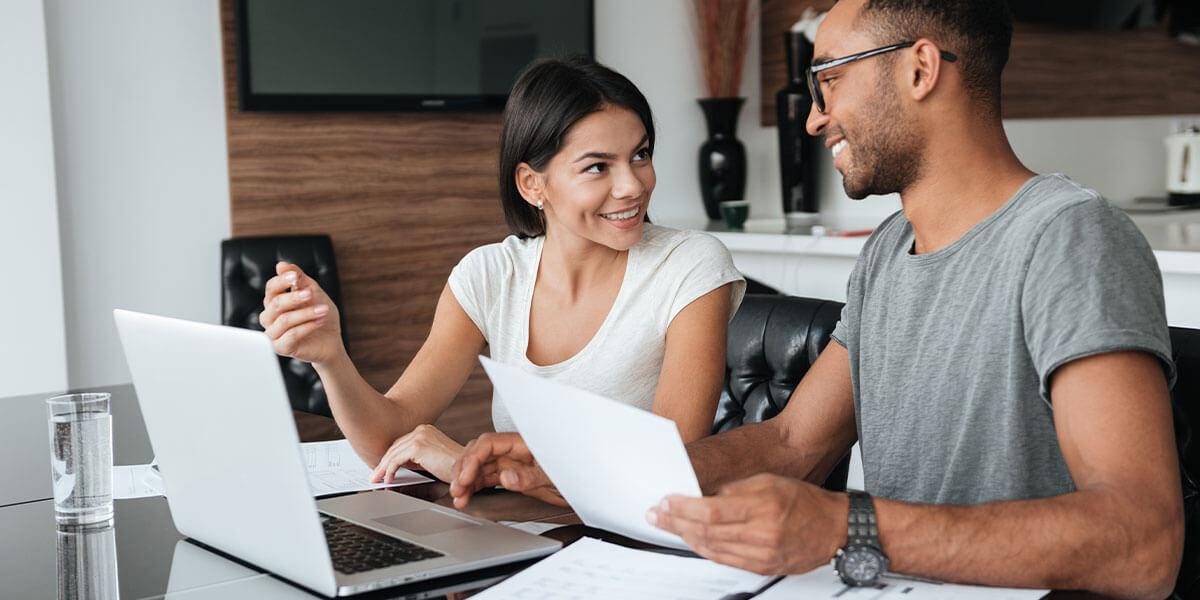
(81, 458)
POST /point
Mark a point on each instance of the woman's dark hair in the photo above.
(549, 97)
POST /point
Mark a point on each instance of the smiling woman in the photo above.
(584, 291)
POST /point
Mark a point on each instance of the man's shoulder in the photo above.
(1048, 197)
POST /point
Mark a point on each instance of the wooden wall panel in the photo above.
(1052, 72)
(403, 195)
(775, 18)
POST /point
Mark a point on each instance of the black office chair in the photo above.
(773, 340)
(246, 265)
(1185, 402)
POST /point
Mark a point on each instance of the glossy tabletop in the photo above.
(143, 556)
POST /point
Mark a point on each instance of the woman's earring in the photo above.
(539, 204)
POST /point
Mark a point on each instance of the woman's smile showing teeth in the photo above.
(621, 216)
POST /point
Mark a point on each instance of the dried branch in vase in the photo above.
(722, 29)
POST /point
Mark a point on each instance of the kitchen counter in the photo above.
(1174, 236)
(818, 266)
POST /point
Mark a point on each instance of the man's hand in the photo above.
(767, 524)
(500, 459)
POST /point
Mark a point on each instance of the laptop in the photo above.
(219, 420)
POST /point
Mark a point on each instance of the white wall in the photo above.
(653, 44)
(139, 134)
(141, 166)
(32, 344)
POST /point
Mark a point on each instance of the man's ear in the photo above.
(925, 69)
(530, 183)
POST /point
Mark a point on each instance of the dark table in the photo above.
(143, 552)
(148, 558)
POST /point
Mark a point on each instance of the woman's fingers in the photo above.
(286, 323)
(425, 447)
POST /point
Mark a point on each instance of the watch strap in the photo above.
(863, 529)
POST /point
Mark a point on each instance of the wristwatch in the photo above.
(861, 561)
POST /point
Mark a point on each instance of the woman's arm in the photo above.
(302, 322)
(693, 368)
(373, 421)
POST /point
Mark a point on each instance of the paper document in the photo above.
(825, 583)
(590, 568)
(610, 461)
(334, 468)
(136, 481)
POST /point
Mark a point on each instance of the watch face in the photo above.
(861, 565)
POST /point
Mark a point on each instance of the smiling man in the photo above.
(1003, 355)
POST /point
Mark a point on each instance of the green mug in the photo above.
(735, 212)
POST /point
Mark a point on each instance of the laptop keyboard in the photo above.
(356, 549)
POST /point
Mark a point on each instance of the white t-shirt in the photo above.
(665, 272)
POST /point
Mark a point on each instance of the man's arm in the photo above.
(806, 440)
(1120, 533)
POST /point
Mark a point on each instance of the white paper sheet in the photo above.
(591, 568)
(333, 468)
(534, 527)
(136, 481)
(825, 583)
(610, 461)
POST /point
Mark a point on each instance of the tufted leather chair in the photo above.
(1185, 401)
(773, 340)
(246, 265)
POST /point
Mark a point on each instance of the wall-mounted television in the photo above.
(397, 55)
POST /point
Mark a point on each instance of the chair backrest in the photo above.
(773, 340)
(246, 265)
(1185, 402)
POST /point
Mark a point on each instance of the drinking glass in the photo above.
(81, 458)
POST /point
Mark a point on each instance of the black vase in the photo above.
(797, 149)
(722, 156)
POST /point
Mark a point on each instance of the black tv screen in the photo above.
(344, 55)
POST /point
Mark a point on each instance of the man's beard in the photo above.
(886, 157)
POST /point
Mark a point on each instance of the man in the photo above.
(1002, 358)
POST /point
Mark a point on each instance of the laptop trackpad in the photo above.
(425, 522)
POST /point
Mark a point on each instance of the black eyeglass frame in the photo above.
(814, 86)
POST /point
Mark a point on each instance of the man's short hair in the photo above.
(978, 31)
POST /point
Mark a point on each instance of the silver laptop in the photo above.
(219, 420)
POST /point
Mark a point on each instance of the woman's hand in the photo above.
(500, 459)
(426, 448)
(299, 317)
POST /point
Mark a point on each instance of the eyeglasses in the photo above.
(814, 87)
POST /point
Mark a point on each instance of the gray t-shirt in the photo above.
(951, 351)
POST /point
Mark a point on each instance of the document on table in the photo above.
(136, 481)
(590, 568)
(333, 468)
(825, 583)
(610, 461)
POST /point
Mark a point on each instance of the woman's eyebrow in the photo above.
(607, 155)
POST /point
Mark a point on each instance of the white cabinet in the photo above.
(819, 266)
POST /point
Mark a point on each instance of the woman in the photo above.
(585, 291)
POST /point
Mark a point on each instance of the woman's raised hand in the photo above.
(299, 317)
